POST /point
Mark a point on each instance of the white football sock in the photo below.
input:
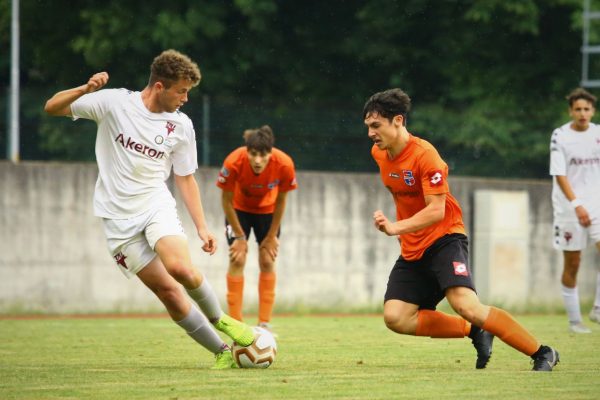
(206, 298)
(597, 301)
(571, 298)
(198, 328)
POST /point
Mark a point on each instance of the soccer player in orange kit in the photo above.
(434, 247)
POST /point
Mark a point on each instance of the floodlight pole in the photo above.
(13, 148)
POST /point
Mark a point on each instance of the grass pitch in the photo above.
(320, 357)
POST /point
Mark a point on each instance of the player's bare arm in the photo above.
(435, 208)
(270, 243)
(565, 186)
(239, 247)
(190, 193)
(60, 103)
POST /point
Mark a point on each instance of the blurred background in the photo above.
(488, 78)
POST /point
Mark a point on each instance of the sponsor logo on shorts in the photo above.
(436, 178)
(120, 259)
(460, 268)
(568, 236)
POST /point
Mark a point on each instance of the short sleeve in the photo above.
(185, 155)
(95, 105)
(433, 173)
(228, 174)
(558, 165)
(288, 178)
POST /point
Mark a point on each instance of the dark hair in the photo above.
(170, 66)
(581, 93)
(260, 139)
(388, 104)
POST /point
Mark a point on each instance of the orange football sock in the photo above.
(266, 295)
(504, 326)
(439, 325)
(235, 295)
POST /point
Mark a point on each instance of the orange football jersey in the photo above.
(414, 173)
(256, 193)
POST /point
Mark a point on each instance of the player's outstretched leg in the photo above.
(482, 341)
(241, 333)
(224, 360)
(545, 359)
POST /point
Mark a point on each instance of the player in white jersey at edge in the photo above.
(141, 137)
(575, 167)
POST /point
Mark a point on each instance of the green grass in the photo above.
(336, 357)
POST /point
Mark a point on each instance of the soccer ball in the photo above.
(260, 354)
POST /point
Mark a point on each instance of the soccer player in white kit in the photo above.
(575, 166)
(141, 137)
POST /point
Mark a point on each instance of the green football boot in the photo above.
(224, 360)
(241, 333)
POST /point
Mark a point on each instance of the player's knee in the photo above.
(396, 322)
(172, 298)
(237, 265)
(183, 274)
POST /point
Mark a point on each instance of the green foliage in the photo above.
(487, 77)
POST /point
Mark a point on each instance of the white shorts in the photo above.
(131, 241)
(571, 236)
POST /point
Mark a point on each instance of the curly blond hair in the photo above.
(171, 66)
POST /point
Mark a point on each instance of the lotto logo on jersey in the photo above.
(460, 268)
(436, 178)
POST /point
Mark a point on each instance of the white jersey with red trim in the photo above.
(576, 155)
(135, 151)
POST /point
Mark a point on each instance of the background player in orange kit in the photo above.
(255, 180)
(434, 247)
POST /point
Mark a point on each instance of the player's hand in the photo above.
(209, 240)
(583, 216)
(238, 250)
(96, 82)
(271, 246)
(382, 223)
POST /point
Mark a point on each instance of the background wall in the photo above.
(53, 256)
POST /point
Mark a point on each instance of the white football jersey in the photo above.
(576, 155)
(135, 150)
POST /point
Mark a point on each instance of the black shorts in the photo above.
(258, 223)
(423, 282)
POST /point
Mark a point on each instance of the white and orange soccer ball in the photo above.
(260, 354)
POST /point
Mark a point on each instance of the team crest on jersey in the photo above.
(170, 127)
(272, 185)
(408, 176)
(436, 178)
(159, 139)
(460, 268)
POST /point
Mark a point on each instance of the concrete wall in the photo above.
(53, 256)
